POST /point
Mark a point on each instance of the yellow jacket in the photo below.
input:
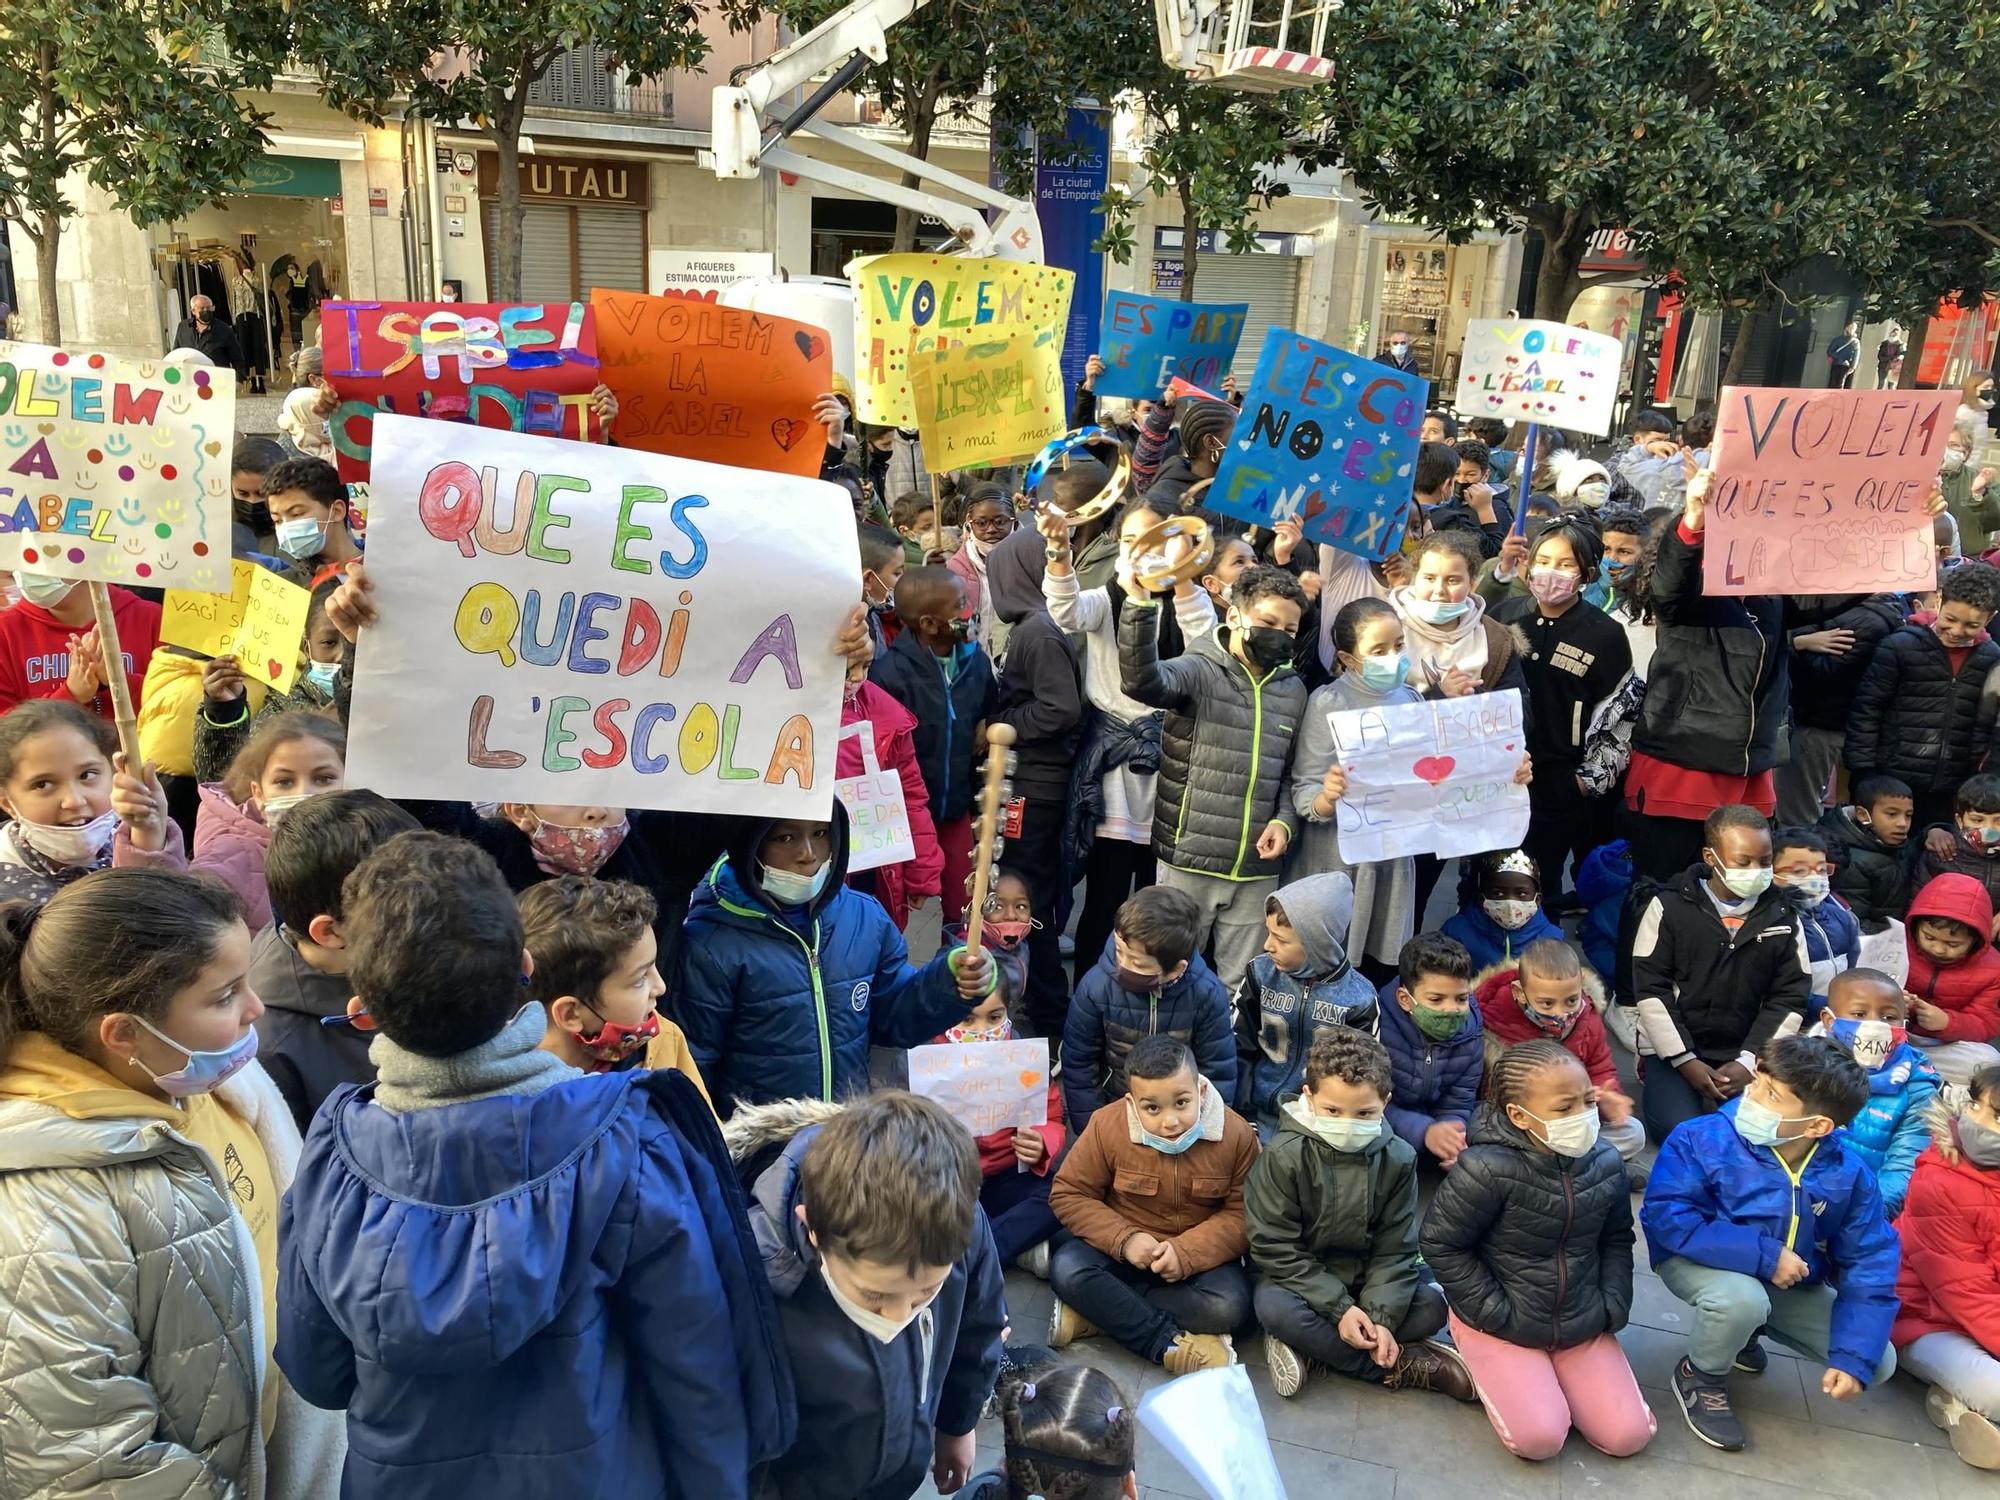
(168, 702)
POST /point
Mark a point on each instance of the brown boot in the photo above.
(1428, 1366)
(1190, 1352)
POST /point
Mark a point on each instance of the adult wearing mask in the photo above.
(212, 337)
(1399, 356)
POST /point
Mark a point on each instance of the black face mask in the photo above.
(1267, 648)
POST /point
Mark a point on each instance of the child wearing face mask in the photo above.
(1531, 1238)
(1370, 651)
(989, 521)
(1152, 1193)
(883, 563)
(1551, 994)
(1718, 966)
(511, 1274)
(227, 716)
(1801, 868)
(1453, 648)
(1968, 493)
(69, 814)
(147, 1156)
(1917, 713)
(1947, 1329)
(877, 732)
(1873, 876)
(1007, 921)
(49, 646)
(1331, 1213)
(1501, 909)
(1866, 1014)
(1763, 1220)
(1298, 989)
(595, 974)
(1954, 977)
(786, 976)
(1431, 1025)
(1970, 844)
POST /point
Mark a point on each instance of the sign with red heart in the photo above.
(1429, 778)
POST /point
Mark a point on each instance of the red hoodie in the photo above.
(1969, 990)
(1506, 1022)
(34, 649)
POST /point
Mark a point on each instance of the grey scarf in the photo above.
(511, 1063)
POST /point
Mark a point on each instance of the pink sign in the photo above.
(1823, 492)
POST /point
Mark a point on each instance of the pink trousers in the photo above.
(1533, 1397)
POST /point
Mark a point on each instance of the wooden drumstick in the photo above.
(999, 739)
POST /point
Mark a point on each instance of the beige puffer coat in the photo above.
(132, 1361)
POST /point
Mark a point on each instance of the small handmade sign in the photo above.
(1326, 437)
(985, 1086)
(907, 304)
(1540, 372)
(988, 402)
(695, 379)
(514, 367)
(878, 817)
(1823, 491)
(206, 623)
(1435, 777)
(115, 470)
(271, 638)
(1147, 343)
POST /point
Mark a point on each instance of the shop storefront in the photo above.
(583, 223)
(1267, 280)
(1427, 290)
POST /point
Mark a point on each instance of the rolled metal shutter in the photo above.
(610, 249)
(548, 270)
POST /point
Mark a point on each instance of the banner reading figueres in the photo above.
(562, 622)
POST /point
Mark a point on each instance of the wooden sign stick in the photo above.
(114, 677)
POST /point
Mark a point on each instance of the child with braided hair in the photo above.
(1070, 1435)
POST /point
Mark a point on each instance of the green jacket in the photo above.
(1336, 1227)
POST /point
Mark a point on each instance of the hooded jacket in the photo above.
(890, 724)
(170, 701)
(1893, 1127)
(1041, 685)
(784, 1002)
(307, 1061)
(1719, 1201)
(549, 1292)
(1507, 1024)
(1529, 1246)
(1488, 942)
(1279, 1015)
(947, 713)
(1949, 1281)
(1915, 718)
(1823, 686)
(1336, 1228)
(867, 1411)
(1434, 1081)
(1833, 942)
(1967, 858)
(132, 1359)
(1872, 877)
(1701, 991)
(1106, 1021)
(1226, 749)
(1968, 991)
(34, 650)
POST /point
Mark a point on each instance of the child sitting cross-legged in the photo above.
(1954, 977)
(1153, 1193)
(1332, 1211)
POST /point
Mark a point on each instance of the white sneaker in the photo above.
(1288, 1371)
(1973, 1437)
(1035, 1261)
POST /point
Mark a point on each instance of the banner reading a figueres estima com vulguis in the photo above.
(569, 623)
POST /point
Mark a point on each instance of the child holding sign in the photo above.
(49, 646)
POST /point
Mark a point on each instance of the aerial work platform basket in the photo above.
(1259, 46)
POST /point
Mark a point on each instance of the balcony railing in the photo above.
(589, 80)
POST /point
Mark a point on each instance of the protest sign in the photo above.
(1327, 437)
(985, 1086)
(1539, 372)
(1823, 491)
(988, 402)
(115, 470)
(908, 304)
(695, 379)
(515, 367)
(272, 636)
(1148, 342)
(702, 273)
(1435, 777)
(1210, 1425)
(206, 623)
(573, 623)
(816, 301)
(878, 818)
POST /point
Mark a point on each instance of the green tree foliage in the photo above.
(141, 99)
(475, 60)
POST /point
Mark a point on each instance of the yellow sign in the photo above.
(906, 305)
(987, 403)
(272, 636)
(206, 623)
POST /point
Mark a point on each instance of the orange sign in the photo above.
(723, 384)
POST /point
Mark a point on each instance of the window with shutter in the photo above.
(611, 249)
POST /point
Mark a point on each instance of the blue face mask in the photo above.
(321, 674)
(1381, 673)
(788, 888)
(301, 538)
(205, 1071)
(1171, 1148)
(1761, 1125)
(1438, 612)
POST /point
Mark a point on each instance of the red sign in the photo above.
(527, 367)
(1613, 250)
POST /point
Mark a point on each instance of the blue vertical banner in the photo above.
(1067, 195)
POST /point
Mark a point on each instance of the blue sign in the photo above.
(1147, 341)
(1067, 196)
(1326, 436)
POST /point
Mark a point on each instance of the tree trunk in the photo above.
(1190, 238)
(1557, 284)
(47, 242)
(1913, 354)
(507, 231)
(923, 117)
(1739, 352)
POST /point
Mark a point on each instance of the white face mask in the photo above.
(69, 846)
(1572, 1135)
(1341, 1134)
(882, 1330)
(789, 888)
(276, 807)
(42, 591)
(1510, 915)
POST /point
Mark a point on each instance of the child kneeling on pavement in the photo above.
(1156, 1260)
(1332, 1212)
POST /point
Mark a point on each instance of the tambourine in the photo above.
(1058, 454)
(1149, 551)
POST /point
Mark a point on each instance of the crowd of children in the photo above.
(374, 1148)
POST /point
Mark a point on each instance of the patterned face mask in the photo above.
(563, 850)
(1004, 1032)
